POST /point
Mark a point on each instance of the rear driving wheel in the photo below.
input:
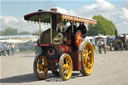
(87, 58)
(65, 66)
(40, 67)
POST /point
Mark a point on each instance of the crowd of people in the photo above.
(10, 49)
(6, 49)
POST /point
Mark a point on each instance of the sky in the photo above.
(12, 11)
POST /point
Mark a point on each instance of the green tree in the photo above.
(24, 33)
(10, 31)
(1, 33)
(103, 26)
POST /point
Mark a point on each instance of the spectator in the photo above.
(104, 46)
(8, 49)
(100, 45)
(110, 46)
(12, 49)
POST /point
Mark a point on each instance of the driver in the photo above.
(58, 27)
(58, 39)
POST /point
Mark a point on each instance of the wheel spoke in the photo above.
(40, 67)
(90, 65)
(84, 54)
(89, 52)
(66, 72)
(63, 67)
(67, 61)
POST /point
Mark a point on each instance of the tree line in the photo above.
(13, 31)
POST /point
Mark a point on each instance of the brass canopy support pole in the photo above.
(72, 28)
(39, 30)
(51, 30)
(61, 24)
(86, 24)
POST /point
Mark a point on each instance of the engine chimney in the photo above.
(53, 9)
(40, 10)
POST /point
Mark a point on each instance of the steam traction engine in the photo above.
(62, 48)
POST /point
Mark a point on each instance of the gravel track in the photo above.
(109, 69)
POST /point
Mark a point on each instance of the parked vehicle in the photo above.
(62, 49)
(121, 42)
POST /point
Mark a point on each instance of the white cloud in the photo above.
(104, 5)
(19, 23)
(99, 7)
(123, 26)
(61, 10)
(8, 19)
(22, 25)
(119, 16)
(125, 13)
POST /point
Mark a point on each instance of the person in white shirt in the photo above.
(8, 49)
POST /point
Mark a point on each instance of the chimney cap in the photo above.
(40, 10)
(53, 9)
